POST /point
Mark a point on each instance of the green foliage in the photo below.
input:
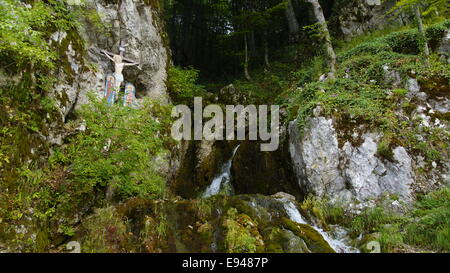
(94, 19)
(401, 92)
(364, 94)
(22, 32)
(3, 158)
(432, 6)
(118, 149)
(324, 212)
(105, 232)
(311, 70)
(425, 226)
(28, 55)
(26, 28)
(315, 30)
(430, 227)
(67, 230)
(264, 87)
(48, 105)
(384, 149)
(182, 84)
(346, 98)
(241, 234)
(403, 42)
(372, 219)
(204, 207)
(30, 197)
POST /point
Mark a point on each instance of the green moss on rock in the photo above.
(315, 242)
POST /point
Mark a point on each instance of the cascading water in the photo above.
(222, 182)
(337, 242)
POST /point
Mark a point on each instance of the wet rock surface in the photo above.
(254, 171)
(201, 162)
(207, 226)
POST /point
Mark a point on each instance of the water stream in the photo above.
(222, 182)
(339, 240)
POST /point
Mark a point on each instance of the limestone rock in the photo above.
(444, 46)
(132, 21)
(360, 16)
(413, 87)
(229, 94)
(315, 157)
(343, 174)
(392, 77)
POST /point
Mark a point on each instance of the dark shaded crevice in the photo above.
(267, 173)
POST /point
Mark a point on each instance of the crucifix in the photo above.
(119, 62)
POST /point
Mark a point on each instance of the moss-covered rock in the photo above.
(279, 240)
(313, 239)
(241, 233)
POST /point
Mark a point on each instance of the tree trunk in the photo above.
(247, 75)
(422, 37)
(266, 50)
(252, 44)
(318, 13)
(292, 21)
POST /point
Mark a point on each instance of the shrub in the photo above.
(345, 98)
(182, 84)
(22, 32)
(403, 42)
(118, 149)
(323, 211)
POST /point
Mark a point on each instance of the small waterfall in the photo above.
(292, 211)
(337, 242)
(222, 182)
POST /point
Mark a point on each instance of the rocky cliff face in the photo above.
(346, 169)
(85, 67)
(360, 16)
(82, 68)
(134, 22)
(325, 169)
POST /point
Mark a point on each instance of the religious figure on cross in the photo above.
(119, 62)
(114, 82)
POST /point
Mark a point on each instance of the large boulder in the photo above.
(349, 172)
(345, 160)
